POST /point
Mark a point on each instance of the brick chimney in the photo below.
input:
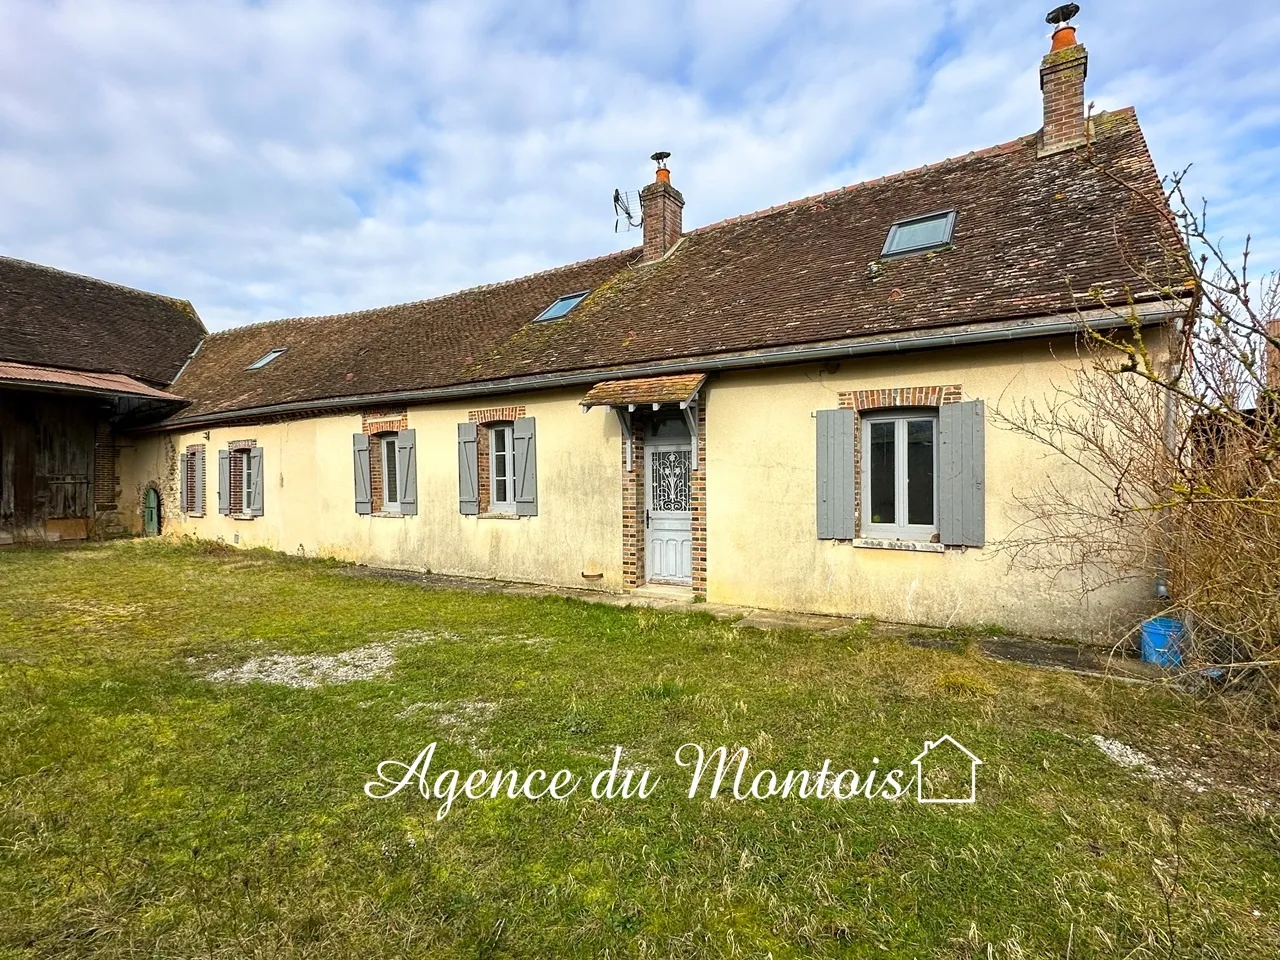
(661, 205)
(1062, 74)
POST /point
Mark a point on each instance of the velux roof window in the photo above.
(917, 234)
(561, 307)
(266, 358)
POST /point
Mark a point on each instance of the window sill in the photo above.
(909, 546)
(243, 516)
(499, 516)
(389, 513)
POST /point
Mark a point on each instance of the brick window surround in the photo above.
(374, 423)
(885, 398)
(633, 491)
(483, 419)
(235, 496)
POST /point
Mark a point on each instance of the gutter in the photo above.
(1057, 325)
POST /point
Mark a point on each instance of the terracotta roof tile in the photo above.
(674, 389)
(1031, 236)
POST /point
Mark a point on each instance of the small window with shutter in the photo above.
(386, 473)
(498, 467)
(923, 474)
(241, 483)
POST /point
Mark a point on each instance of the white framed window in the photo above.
(900, 475)
(245, 467)
(502, 469)
(390, 482)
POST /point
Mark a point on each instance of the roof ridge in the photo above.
(96, 280)
(425, 300)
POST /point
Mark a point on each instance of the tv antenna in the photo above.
(623, 204)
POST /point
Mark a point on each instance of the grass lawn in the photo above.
(147, 809)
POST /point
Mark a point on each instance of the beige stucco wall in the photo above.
(762, 547)
(309, 496)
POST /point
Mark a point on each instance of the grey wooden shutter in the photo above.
(224, 481)
(468, 470)
(258, 475)
(182, 483)
(524, 440)
(199, 504)
(962, 480)
(835, 474)
(364, 487)
(407, 471)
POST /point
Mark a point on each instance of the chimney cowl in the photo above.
(1064, 34)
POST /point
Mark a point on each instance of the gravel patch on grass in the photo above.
(369, 662)
(1139, 762)
(305, 671)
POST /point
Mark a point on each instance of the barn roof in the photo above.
(52, 318)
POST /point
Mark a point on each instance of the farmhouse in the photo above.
(792, 409)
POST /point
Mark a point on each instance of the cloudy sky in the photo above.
(272, 159)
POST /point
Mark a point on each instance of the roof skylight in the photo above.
(561, 307)
(266, 358)
(927, 232)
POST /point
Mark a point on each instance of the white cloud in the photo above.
(288, 158)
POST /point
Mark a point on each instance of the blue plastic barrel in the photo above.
(1162, 641)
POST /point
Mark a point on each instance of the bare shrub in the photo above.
(1173, 437)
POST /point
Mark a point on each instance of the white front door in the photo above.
(668, 554)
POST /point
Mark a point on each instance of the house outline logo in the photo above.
(974, 763)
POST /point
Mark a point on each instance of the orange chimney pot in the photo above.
(1063, 37)
(664, 175)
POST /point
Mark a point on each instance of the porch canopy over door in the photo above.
(625, 397)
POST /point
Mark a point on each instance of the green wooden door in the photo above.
(151, 513)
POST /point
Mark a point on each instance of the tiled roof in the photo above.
(371, 351)
(75, 381)
(53, 318)
(1032, 236)
(678, 388)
